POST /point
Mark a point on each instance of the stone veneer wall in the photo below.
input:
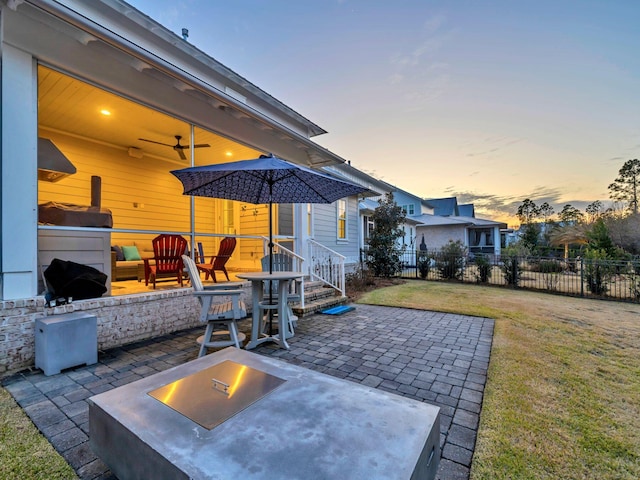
(121, 320)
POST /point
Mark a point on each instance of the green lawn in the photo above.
(24, 452)
(562, 399)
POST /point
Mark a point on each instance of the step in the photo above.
(318, 294)
(314, 306)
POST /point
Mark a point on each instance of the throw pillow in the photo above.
(119, 253)
(131, 253)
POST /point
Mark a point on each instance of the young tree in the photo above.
(598, 238)
(625, 187)
(383, 257)
(531, 235)
(528, 211)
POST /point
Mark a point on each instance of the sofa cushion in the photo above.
(119, 253)
(131, 253)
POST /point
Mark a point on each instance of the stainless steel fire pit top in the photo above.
(215, 394)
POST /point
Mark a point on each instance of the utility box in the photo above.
(65, 341)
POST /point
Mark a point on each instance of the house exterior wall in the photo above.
(438, 237)
(410, 201)
(325, 228)
(121, 320)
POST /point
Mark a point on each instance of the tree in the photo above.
(625, 232)
(594, 211)
(531, 235)
(546, 211)
(625, 187)
(383, 257)
(528, 211)
(598, 238)
(571, 214)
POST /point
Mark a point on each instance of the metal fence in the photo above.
(602, 279)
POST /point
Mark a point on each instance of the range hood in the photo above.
(52, 164)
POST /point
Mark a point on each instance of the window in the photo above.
(368, 228)
(229, 217)
(342, 219)
(408, 209)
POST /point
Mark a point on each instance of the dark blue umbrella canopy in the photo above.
(267, 179)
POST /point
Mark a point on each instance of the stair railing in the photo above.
(327, 266)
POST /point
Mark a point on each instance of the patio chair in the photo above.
(218, 262)
(217, 315)
(282, 263)
(167, 258)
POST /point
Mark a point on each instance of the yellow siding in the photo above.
(142, 194)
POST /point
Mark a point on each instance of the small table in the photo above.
(257, 295)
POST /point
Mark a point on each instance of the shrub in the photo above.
(358, 279)
(597, 272)
(450, 260)
(424, 264)
(484, 268)
(511, 269)
(547, 266)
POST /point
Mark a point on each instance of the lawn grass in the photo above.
(24, 452)
(562, 399)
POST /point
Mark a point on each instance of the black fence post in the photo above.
(581, 277)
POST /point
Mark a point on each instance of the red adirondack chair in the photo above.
(167, 257)
(218, 262)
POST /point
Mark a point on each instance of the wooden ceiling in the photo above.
(70, 106)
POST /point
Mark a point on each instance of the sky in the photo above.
(492, 101)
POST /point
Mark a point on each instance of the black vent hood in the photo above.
(52, 164)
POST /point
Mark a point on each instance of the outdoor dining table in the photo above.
(259, 304)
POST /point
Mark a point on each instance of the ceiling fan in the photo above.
(177, 147)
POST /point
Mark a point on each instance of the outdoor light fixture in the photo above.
(135, 152)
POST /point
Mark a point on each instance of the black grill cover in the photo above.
(70, 215)
(70, 279)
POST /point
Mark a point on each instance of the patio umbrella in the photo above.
(267, 179)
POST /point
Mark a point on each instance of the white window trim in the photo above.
(346, 220)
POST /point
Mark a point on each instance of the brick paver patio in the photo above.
(432, 357)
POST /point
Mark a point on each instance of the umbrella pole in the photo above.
(271, 257)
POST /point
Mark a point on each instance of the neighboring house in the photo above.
(467, 210)
(444, 207)
(478, 235)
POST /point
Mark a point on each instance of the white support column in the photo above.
(496, 241)
(300, 229)
(18, 174)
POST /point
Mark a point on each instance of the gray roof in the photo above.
(444, 206)
(466, 210)
(427, 220)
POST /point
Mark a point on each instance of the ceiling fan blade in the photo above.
(200, 145)
(180, 152)
(153, 141)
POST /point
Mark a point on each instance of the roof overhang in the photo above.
(132, 45)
